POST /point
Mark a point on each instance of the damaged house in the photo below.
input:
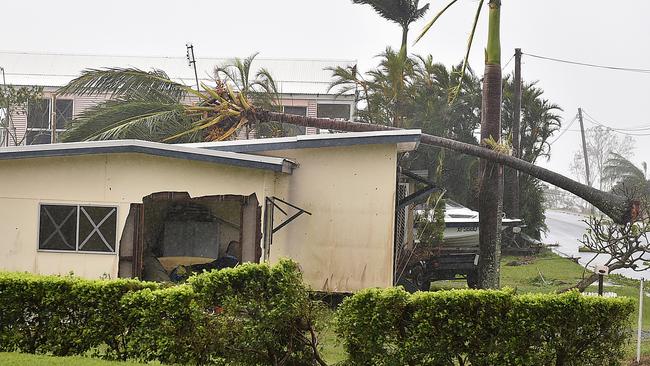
(150, 210)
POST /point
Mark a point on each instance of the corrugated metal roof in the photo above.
(406, 140)
(149, 148)
(293, 76)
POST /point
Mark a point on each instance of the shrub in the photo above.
(62, 315)
(254, 314)
(168, 325)
(392, 327)
(267, 311)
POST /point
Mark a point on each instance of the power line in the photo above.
(72, 54)
(643, 71)
(507, 63)
(621, 131)
(565, 130)
(84, 55)
(631, 129)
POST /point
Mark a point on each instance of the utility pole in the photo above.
(584, 145)
(192, 62)
(516, 118)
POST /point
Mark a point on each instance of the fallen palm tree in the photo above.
(146, 104)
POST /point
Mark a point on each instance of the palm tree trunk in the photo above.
(405, 33)
(490, 194)
(616, 207)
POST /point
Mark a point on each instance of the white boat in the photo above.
(461, 225)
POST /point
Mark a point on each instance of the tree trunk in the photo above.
(405, 33)
(587, 281)
(616, 207)
(490, 193)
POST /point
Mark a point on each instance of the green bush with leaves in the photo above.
(267, 311)
(478, 327)
(63, 315)
(254, 314)
(170, 326)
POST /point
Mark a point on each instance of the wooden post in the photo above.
(640, 323)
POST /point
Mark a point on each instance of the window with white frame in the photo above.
(39, 120)
(77, 228)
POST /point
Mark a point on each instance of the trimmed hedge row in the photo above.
(393, 327)
(262, 315)
(251, 315)
(63, 315)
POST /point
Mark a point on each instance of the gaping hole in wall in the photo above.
(172, 235)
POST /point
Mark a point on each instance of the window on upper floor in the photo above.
(77, 228)
(341, 111)
(39, 120)
(299, 111)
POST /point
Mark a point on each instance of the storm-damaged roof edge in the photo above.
(406, 140)
(148, 148)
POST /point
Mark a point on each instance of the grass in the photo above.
(21, 359)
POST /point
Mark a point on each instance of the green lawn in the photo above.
(21, 359)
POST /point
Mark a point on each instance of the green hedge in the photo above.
(392, 327)
(262, 315)
(63, 315)
(254, 314)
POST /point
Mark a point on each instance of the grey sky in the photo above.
(594, 31)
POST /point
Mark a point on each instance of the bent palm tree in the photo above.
(218, 112)
(402, 12)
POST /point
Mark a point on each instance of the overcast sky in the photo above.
(592, 31)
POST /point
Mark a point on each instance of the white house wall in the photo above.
(347, 242)
(112, 179)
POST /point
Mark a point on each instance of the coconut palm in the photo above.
(402, 12)
(626, 178)
(260, 88)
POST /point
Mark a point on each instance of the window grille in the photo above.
(78, 228)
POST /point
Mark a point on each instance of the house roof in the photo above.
(149, 148)
(406, 140)
(292, 76)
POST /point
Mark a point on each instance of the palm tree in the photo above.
(219, 112)
(261, 90)
(402, 12)
(627, 178)
(540, 121)
(490, 174)
(383, 89)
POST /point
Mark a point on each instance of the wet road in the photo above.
(566, 229)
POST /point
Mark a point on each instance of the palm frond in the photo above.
(470, 40)
(402, 12)
(430, 24)
(127, 119)
(125, 83)
(618, 167)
